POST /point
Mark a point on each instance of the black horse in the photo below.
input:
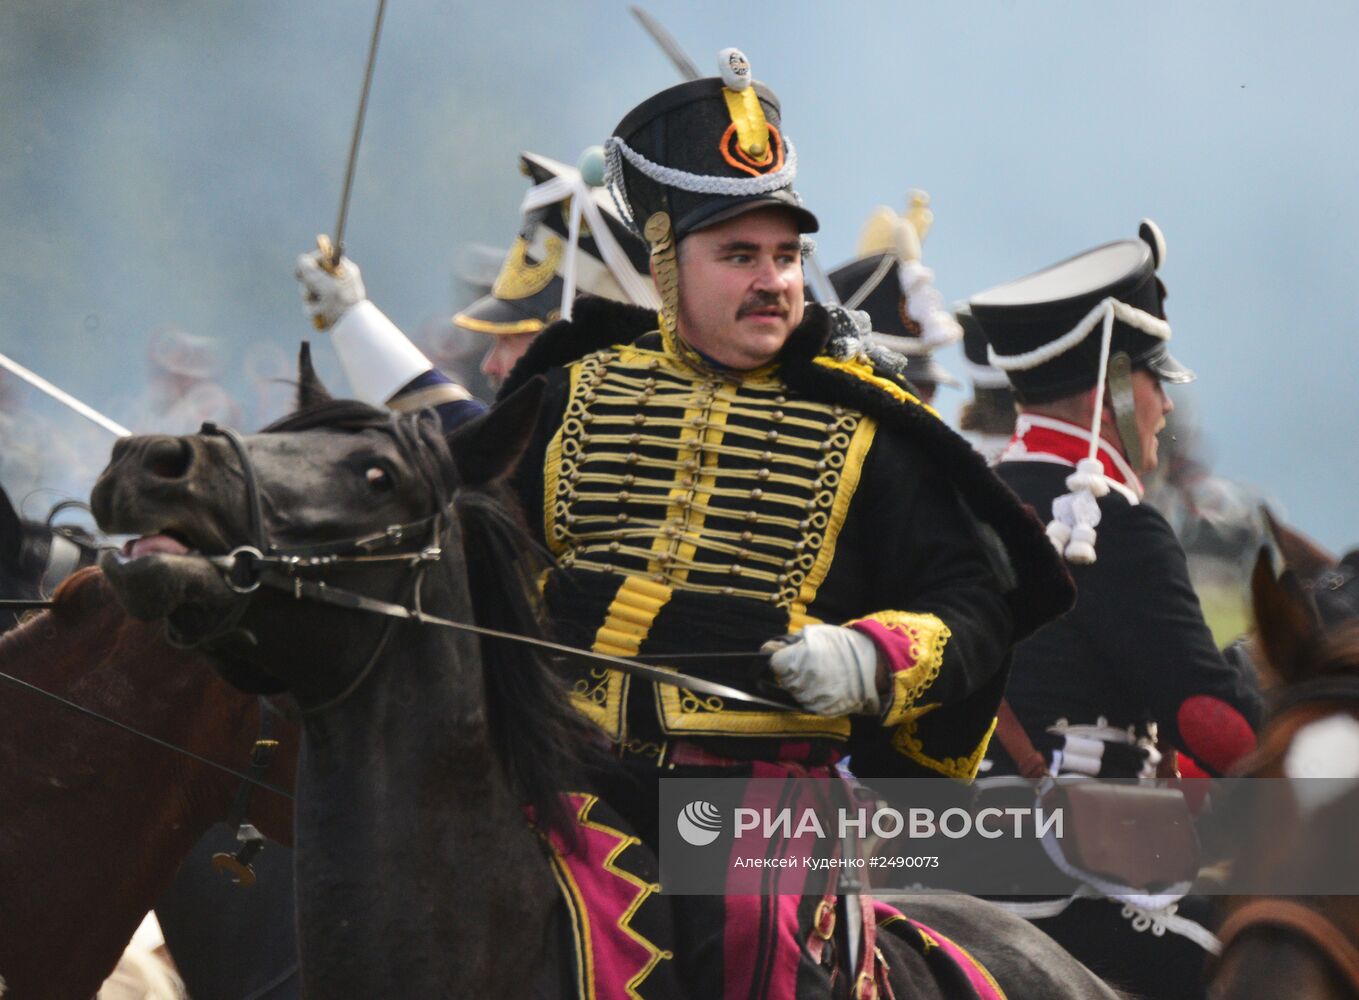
(35, 557)
(417, 874)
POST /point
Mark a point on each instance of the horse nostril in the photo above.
(168, 458)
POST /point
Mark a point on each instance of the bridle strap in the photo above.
(1313, 926)
(261, 759)
(254, 505)
(251, 840)
(264, 549)
(1329, 688)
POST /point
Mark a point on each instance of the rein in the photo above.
(1311, 925)
(248, 567)
(1342, 687)
(91, 713)
(261, 757)
(21, 604)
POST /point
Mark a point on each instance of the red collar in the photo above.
(1044, 439)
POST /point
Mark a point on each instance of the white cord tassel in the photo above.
(636, 287)
(572, 255)
(926, 306)
(1075, 515)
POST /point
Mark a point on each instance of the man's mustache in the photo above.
(762, 300)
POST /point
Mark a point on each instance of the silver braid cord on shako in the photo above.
(616, 150)
(613, 183)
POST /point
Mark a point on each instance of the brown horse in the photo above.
(96, 820)
(1298, 947)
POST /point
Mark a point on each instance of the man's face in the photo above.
(506, 350)
(1151, 405)
(740, 288)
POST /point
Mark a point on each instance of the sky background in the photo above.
(162, 162)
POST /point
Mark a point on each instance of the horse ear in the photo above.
(1285, 619)
(310, 390)
(11, 530)
(1301, 554)
(488, 447)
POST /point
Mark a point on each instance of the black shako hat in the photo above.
(705, 151)
(1046, 330)
(870, 284)
(526, 314)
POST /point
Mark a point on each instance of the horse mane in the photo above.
(544, 744)
(336, 414)
(83, 589)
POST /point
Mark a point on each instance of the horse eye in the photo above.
(378, 478)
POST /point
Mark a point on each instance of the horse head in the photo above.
(337, 492)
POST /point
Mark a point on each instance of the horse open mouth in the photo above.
(164, 574)
(168, 542)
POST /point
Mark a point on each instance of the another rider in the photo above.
(1084, 344)
(527, 295)
(735, 470)
(889, 283)
(1135, 605)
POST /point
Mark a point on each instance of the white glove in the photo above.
(829, 669)
(325, 296)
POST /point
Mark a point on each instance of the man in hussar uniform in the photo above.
(888, 282)
(1084, 344)
(734, 471)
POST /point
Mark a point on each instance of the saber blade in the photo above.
(667, 42)
(820, 281)
(338, 248)
(65, 398)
